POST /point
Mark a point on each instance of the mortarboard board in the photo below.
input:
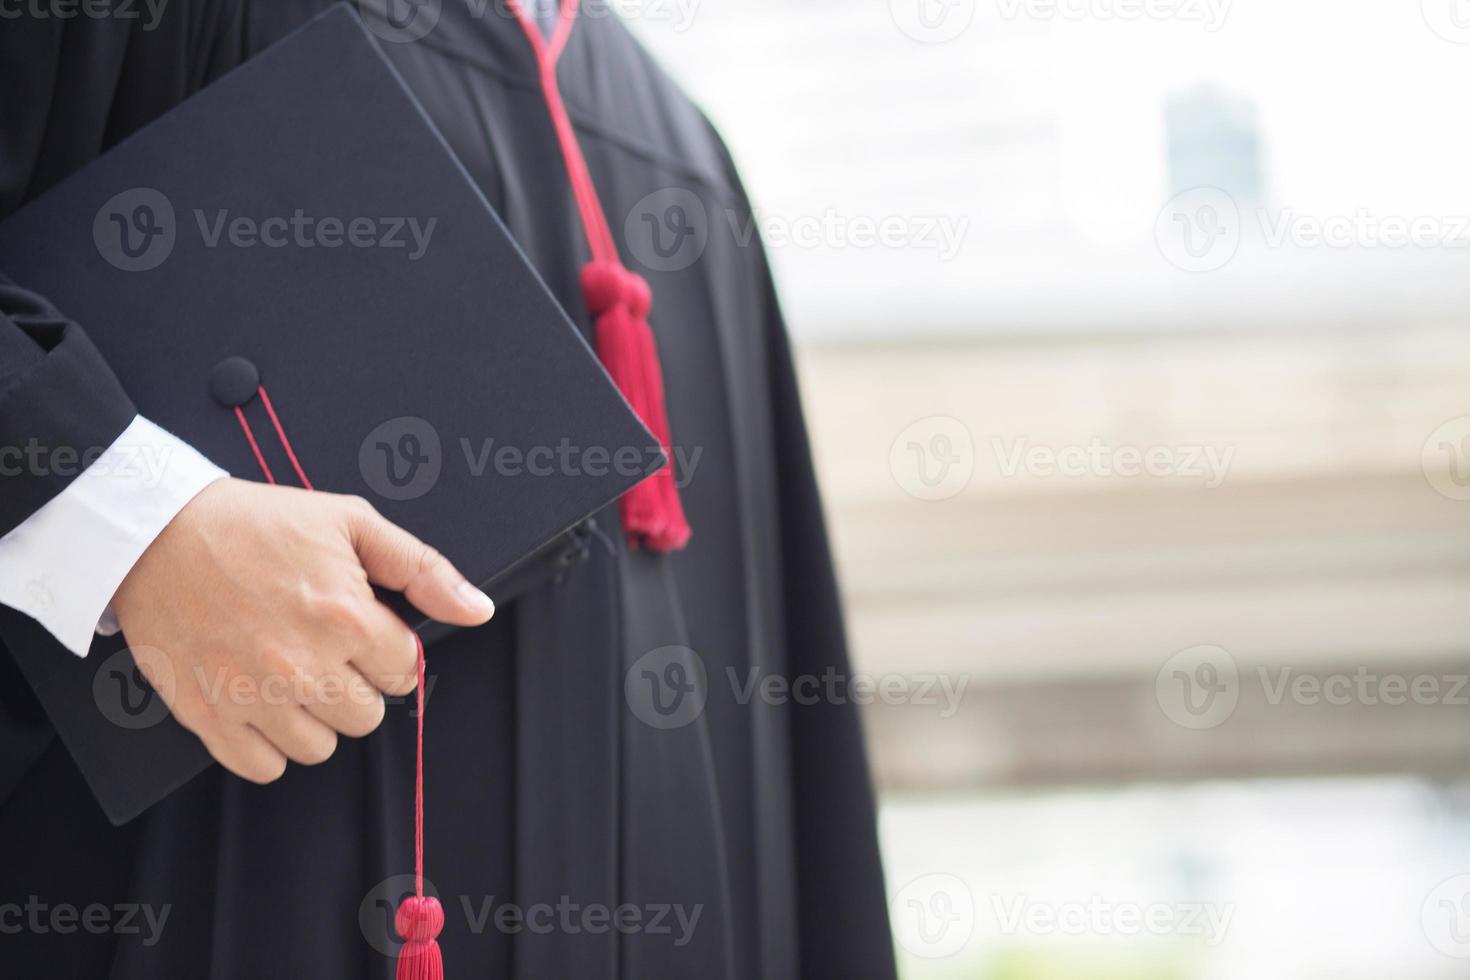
(299, 228)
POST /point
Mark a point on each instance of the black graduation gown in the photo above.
(748, 833)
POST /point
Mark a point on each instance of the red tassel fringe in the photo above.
(419, 920)
(619, 301)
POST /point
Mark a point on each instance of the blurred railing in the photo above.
(1323, 553)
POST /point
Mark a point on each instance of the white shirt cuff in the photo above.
(63, 564)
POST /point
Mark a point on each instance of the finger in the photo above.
(397, 560)
(390, 660)
(346, 701)
(298, 735)
(246, 753)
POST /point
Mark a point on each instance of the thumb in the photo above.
(397, 560)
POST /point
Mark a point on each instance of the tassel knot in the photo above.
(619, 301)
(419, 920)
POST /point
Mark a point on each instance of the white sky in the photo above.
(1037, 137)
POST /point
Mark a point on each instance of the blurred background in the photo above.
(1134, 343)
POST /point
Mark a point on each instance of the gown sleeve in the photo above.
(82, 83)
(844, 928)
(55, 391)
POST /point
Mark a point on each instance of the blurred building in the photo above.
(1214, 141)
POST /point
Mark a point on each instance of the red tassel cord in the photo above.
(419, 919)
(619, 301)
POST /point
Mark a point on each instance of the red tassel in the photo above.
(419, 920)
(619, 301)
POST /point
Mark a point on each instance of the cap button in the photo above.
(234, 381)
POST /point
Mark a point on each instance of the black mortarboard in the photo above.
(299, 228)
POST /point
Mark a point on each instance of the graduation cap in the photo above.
(293, 273)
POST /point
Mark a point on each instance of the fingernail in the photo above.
(474, 599)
